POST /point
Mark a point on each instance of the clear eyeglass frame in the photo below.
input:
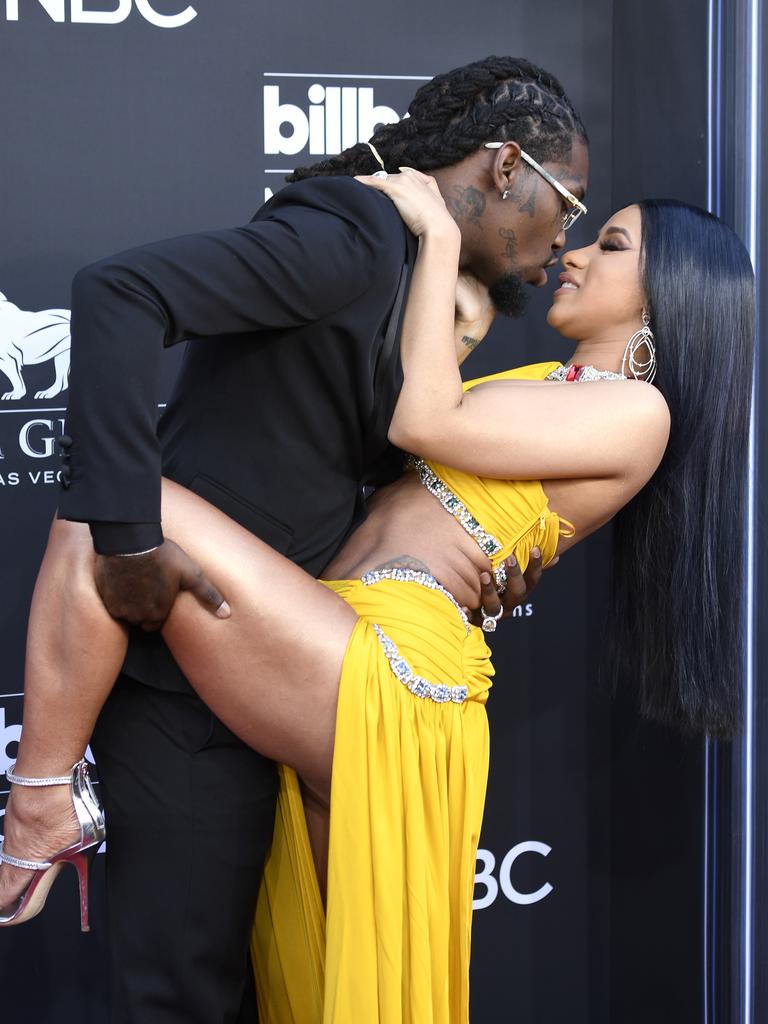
(575, 206)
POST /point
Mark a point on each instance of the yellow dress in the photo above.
(410, 768)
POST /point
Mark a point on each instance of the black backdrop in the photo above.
(118, 130)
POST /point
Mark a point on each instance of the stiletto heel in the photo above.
(81, 864)
(78, 854)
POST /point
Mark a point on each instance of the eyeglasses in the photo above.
(575, 206)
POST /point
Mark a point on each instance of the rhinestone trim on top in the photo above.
(419, 687)
(440, 490)
(457, 508)
(424, 579)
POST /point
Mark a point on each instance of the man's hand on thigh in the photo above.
(141, 589)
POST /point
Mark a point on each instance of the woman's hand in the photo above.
(418, 202)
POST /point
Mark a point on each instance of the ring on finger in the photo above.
(488, 624)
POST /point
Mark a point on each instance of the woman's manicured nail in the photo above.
(223, 611)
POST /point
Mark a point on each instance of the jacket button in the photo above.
(65, 442)
(65, 478)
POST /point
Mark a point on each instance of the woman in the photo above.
(410, 761)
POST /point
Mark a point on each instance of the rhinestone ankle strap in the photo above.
(53, 780)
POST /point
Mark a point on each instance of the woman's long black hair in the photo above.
(677, 580)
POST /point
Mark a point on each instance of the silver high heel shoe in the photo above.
(79, 854)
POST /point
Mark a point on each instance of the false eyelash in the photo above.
(608, 247)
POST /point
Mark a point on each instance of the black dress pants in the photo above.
(190, 811)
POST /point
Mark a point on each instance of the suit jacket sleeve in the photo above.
(315, 249)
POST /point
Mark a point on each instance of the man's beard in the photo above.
(508, 295)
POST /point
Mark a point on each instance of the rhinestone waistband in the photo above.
(418, 686)
(424, 579)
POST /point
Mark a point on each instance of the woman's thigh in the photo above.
(271, 671)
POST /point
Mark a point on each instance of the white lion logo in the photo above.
(27, 339)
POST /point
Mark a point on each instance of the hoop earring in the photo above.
(641, 369)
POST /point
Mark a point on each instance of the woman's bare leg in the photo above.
(74, 653)
(270, 671)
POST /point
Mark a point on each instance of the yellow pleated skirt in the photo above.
(407, 796)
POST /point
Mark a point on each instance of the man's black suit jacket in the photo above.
(287, 387)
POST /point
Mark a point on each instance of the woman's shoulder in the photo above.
(648, 421)
(648, 402)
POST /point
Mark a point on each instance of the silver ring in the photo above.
(489, 621)
(380, 174)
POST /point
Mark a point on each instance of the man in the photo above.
(279, 418)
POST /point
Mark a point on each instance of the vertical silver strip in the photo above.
(710, 781)
(743, 204)
(705, 923)
(751, 225)
(711, 85)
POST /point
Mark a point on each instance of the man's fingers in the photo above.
(516, 586)
(197, 583)
(490, 602)
(533, 572)
(519, 586)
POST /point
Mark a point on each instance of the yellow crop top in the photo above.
(504, 516)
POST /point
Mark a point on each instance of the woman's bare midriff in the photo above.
(408, 528)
